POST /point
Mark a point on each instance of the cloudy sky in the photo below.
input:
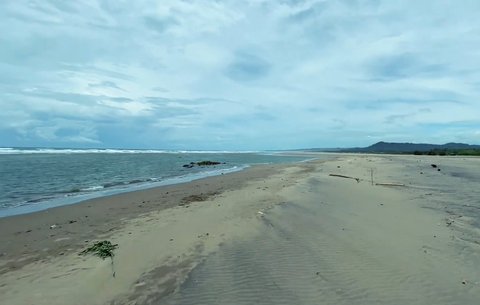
(250, 74)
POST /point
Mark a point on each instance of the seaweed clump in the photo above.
(101, 249)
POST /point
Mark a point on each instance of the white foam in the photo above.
(92, 188)
(10, 151)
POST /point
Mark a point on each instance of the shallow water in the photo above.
(35, 179)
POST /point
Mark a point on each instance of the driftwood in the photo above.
(390, 184)
(343, 176)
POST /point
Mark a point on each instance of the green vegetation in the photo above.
(449, 152)
(102, 249)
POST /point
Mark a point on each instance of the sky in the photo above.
(238, 75)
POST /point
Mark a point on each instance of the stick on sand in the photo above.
(343, 176)
(390, 184)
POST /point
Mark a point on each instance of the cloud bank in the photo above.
(238, 74)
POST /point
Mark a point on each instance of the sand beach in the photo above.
(354, 229)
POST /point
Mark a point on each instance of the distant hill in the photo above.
(386, 147)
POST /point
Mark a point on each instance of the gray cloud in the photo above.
(160, 25)
(247, 67)
(107, 84)
(404, 65)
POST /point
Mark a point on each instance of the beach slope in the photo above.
(358, 229)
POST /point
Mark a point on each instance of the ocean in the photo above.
(34, 179)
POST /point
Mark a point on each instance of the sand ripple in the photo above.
(299, 259)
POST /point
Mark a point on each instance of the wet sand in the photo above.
(269, 235)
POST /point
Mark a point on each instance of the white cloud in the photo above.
(244, 75)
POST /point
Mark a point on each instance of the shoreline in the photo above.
(73, 199)
(105, 214)
(411, 237)
(40, 195)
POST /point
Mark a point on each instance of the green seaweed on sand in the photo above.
(102, 249)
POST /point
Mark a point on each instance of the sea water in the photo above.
(33, 179)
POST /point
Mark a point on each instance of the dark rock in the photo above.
(434, 165)
(208, 163)
(202, 163)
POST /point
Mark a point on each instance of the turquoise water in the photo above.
(36, 179)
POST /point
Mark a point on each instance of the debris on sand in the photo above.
(343, 176)
(390, 184)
